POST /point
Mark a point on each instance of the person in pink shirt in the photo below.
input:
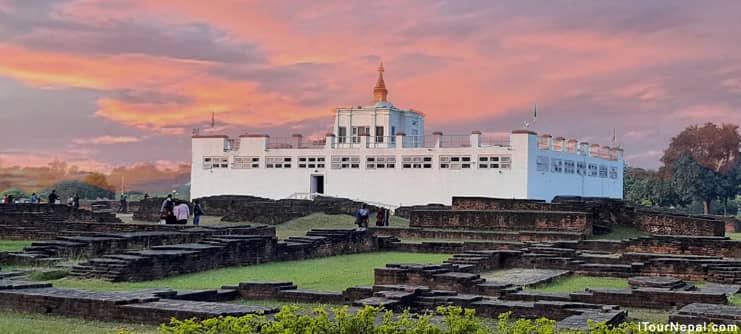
(181, 212)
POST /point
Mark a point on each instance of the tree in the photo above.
(17, 193)
(713, 147)
(729, 185)
(69, 188)
(648, 187)
(692, 180)
(99, 180)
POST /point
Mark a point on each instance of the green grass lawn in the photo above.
(295, 227)
(12, 322)
(579, 283)
(330, 273)
(734, 236)
(14, 245)
(299, 226)
(619, 233)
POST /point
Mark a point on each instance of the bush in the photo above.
(375, 320)
(370, 320)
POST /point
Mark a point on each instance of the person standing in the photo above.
(34, 198)
(53, 197)
(146, 196)
(197, 212)
(76, 201)
(166, 209)
(380, 216)
(361, 216)
(182, 212)
(122, 205)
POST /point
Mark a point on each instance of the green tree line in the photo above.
(701, 167)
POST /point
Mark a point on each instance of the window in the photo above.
(613, 172)
(393, 134)
(455, 162)
(569, 167)
(592, 170)
(342, 135)
(416, 161)
(495, 161)
(379, 134)
(556, 165)
(215, 162)
(311, 162)
(380, 162)
(246, 162)
(344, 162)
(277, 162)
(541, 164)
(602, 171)
(581, 168)
(359, 131)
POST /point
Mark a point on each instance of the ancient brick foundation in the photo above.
(503, 220)
(45, 213)
(258, 210)
(222, 251)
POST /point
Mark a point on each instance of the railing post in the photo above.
(437, 138)
(475, 138)
(296, 141)
(329, 141)
(400, 139)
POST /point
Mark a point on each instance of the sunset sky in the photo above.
(104, 83)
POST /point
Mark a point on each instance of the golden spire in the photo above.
(380, 92)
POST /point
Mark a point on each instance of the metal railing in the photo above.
(294, 142)
(231, 145)
(418, 141)
(494, 140)
(455, 141)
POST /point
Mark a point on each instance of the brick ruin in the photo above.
(258, 210)
(541, 240)
(576, 217)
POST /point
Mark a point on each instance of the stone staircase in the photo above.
(166, 260)
(725, 273)
(479, 261)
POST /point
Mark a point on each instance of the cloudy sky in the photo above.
(103, 83)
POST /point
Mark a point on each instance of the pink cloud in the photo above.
(107, 140)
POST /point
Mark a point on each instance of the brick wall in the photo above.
(503, 220)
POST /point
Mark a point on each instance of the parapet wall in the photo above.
(30, 213)
(258, 210)
(658, 222)
(489, 203)
(602, 212)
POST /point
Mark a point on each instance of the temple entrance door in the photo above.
(317, 184)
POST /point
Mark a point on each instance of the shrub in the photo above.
(370, 320)
(375, 320)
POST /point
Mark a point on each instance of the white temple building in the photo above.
(380, 154)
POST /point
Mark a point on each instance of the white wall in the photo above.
(546, 185)
(398, 186)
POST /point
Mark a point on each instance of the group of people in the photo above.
(36, 199)
(363, 215)
(73, 201)
(178, 212)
